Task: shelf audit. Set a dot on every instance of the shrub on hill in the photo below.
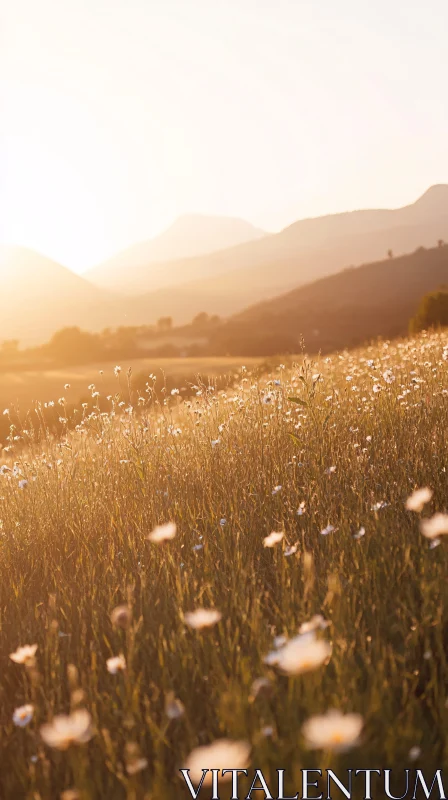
(432, 312)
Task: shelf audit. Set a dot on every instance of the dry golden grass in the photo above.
(22, 388)
(228, 469)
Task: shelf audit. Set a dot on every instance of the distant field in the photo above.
(27, 387)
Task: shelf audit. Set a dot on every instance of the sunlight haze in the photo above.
(118, 117)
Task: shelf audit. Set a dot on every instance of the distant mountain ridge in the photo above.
(226, 281)
(301, 253)
(40, 296)
(142, 266)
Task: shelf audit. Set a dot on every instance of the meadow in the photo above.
(24, 387)
(139, 565)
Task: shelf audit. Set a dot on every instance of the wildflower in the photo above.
(162, 533)
(290, 551)
(317, 622)
(117, 371)
(174, 708)
(202, 618)
(268, 398)
(327, 530)
(66, 386)
(388, 376)
(360, 533)
(434, 543)
(435, 526)
(380, 505)
(121, 616)
(273, 539)
(23, 715)
(333, 731)
(418, 499)
(302, 654)
(223, 522)
(116, 664)
(215, 442)
(276, 490)
(301, 509)
(414, 753)
(66, 730)
(330, 470)
(218, 755)
(23, 484)
(136, 765)
(24, 655)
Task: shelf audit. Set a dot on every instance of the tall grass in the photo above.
(73, 547)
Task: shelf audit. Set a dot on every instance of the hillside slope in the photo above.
(38, 296)
(339, 311)
(142, 267)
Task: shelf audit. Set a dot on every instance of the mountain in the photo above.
(302, 252)
(38, 296)
(142, 266)
(342, 310)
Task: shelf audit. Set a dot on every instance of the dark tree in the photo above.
(432, 312)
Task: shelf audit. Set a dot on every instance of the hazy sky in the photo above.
(116, 116)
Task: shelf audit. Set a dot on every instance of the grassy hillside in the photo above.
(342, 310)
(331, 470)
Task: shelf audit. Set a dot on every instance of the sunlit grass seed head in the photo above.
(66, 730)
(222, 754)
(23, 715)
(162, 533)
(333, 731)
(418, 499)
(25, 655)
(202, 618)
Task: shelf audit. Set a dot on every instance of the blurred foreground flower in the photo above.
(202, 618)
(302, 654)
(174, 708)
(23, 715)
(218, 755)
(65, 730)
(333, 731)
(434, 526)
(317, 622)
(162, 533)
(418, 499)
(273, 539)
(121, 616)
(24, 655)
(116, 664)
(135, 763)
